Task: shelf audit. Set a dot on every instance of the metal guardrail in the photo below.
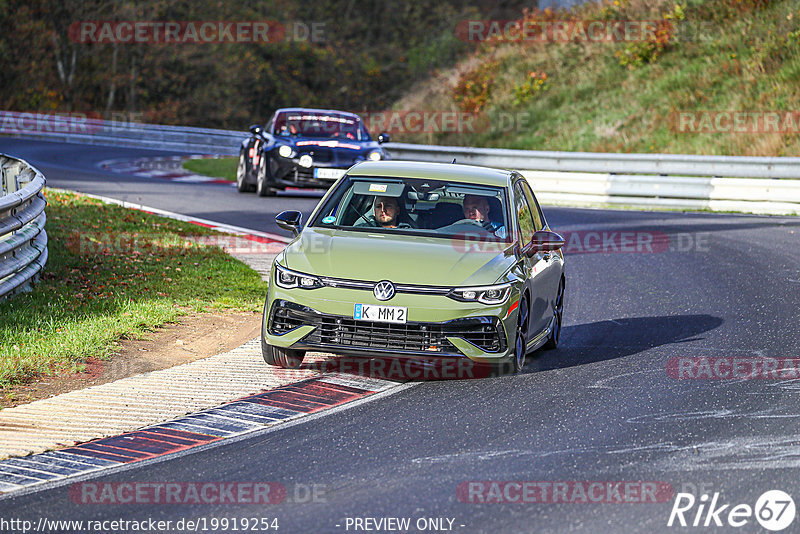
(23, 240)
(655, 164)
(720, 183)
(762, 185)
(74, 128)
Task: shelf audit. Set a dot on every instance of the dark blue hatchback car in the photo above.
(301, 147)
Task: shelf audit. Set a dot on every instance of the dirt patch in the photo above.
(193, 338)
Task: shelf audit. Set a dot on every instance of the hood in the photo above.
(401, 259)
(343, 143)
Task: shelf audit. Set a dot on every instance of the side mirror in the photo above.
(256, 129)
(383, 138)
(289, 220)
(544, 241)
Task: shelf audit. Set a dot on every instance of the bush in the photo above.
(536, 83)
(474, 87)
(639, 53)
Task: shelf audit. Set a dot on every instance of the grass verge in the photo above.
(113, 273)
(719, 56)
(224, 168)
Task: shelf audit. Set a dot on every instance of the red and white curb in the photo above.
(246, 233)
(254, 248)
(143, 417)
(243, 416)
(166, 168)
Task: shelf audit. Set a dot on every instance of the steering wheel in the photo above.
(467, 221)
(485, 225)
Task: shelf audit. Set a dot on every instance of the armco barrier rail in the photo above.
(76, 128)
(719, 183)
(23, 241)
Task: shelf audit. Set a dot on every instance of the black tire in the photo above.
(558, 314)
(263, 188)
(521, 338)
(241, 175)
(280, 357)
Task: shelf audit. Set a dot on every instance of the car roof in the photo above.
(433, 171)
(317, 111)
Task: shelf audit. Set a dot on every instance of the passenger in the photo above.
(476, 208)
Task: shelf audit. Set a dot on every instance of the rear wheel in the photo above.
(262, 182)
(280, 357)
(558, 314)
(241, 175)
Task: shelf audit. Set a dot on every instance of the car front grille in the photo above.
(303, 174)
(323, 155)
(341, 331)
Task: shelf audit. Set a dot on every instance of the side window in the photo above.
(278, 123)
(538, 217)
(526, 224)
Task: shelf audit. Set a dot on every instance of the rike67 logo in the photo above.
(774, 510)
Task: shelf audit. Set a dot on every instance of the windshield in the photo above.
(417, 207)
(320, 126)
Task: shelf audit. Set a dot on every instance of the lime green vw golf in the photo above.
(417, 260)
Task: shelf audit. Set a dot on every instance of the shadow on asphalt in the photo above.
(617, 338)
(580, 344)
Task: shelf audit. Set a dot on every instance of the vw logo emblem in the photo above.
(384, 290)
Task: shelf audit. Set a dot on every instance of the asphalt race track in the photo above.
(75, 167)
(603, 407)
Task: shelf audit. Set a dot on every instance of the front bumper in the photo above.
(288, 172)
(292, 175)
(322, 319)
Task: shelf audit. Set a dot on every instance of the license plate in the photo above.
(333, 174)
(380, 314)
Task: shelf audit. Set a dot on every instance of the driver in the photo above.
(386, 214)
(285, 130)
(476, 208)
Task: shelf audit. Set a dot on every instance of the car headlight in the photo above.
(288, 279)
(375, 155)
(306, 161)
(285, 151)
(489, 295)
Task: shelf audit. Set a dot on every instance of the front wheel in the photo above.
(521, 339)
(262, 183)
(558, 318)
(241, 175)
(280, 357)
